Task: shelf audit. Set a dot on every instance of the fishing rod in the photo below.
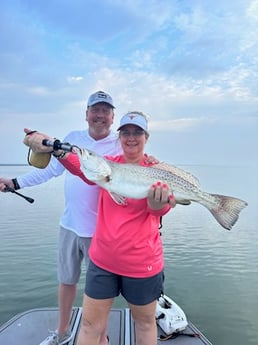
(27, 198)
(58, 145)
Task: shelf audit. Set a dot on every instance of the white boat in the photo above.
(32, 326)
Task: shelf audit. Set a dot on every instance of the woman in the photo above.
(126, 253)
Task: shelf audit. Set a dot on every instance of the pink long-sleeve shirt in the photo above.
(127, 239)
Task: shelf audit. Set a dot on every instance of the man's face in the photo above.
(100, 116)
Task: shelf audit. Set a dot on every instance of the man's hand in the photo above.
(159, 195)
(33, 139)
(5, 181)
(150, 160)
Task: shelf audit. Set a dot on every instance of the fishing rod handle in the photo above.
(27, 198)
(57, 145)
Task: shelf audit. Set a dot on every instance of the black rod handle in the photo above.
(27, 198)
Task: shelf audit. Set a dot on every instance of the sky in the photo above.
(192, 66)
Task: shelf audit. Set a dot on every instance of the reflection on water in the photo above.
(211, 272)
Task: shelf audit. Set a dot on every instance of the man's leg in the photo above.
(66, 297)
(70, 257)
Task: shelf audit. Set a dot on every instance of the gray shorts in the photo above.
(101, 284)
(72, 250)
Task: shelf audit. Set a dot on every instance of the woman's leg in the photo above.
(145, 323)
(95, 314)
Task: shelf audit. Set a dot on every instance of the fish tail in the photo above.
(227, 210)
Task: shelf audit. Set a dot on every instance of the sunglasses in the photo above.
(136, 133)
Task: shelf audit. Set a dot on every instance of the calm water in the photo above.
(211, 272)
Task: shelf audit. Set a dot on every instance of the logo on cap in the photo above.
(100, 96)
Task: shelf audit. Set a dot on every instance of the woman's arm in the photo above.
(71, 162)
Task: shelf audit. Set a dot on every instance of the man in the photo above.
(78, 220)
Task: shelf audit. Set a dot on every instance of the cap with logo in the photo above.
(100, 97)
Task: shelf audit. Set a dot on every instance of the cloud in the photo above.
(74, 79)
(178, 125)
(191, 65)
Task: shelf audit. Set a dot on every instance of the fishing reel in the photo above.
(41, 159)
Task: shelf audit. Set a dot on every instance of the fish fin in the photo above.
(183, 202)
(227, 212)
(118, 199)
(185, 175)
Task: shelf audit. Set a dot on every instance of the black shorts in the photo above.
(101, 284)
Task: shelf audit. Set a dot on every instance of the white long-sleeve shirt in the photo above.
(81, 199)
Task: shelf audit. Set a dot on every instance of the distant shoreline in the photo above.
(13, 164)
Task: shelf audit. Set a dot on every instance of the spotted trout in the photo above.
(134, 181)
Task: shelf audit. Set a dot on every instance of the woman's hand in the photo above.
(159, 195)
(33, 139)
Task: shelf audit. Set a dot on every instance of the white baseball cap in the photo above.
(99, 97)
(134, 118)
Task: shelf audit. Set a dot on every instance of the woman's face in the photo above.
(133, 140)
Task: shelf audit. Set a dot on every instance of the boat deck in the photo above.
(32, 326)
